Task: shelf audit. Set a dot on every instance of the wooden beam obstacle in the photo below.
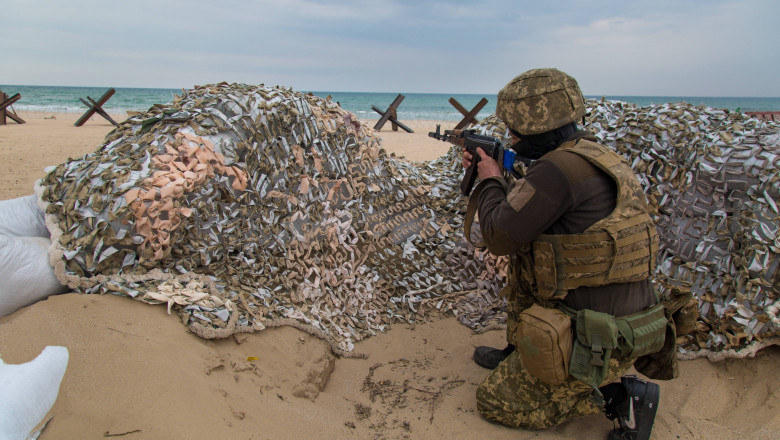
(391, 115)
(96, 107)
(6, 113)
(469, 117)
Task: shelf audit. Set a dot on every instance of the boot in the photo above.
(489, 357)
(633, 403)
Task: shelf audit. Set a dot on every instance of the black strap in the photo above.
(471, 211)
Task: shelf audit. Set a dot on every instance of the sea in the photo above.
(415, 106)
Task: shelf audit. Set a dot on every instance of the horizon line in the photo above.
(587, 95)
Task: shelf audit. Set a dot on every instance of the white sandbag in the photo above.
(25, 274)
(21, 217)
(29, 391)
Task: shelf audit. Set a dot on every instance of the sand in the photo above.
(135, 372)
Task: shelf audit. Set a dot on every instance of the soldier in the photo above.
(582, 247)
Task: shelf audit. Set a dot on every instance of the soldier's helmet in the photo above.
(540, 100)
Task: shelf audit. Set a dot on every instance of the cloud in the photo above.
(688, 52)
(669, 47)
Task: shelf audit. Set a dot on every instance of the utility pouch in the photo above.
(597, 337)
(544, 342)
(643, 332)
(663, 365)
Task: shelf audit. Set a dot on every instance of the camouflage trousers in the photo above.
(513, 397)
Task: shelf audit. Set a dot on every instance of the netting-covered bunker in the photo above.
(713, 179)
(246, 207)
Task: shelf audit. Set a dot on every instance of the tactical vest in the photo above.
(620, 248)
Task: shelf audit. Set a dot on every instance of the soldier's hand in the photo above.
(487, 166)
(466, 161)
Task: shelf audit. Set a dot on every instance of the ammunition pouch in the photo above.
(662, 365)
(544, 343)
(597, 338)
(601, 336)
(642, 333)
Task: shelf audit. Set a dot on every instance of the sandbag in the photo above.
(25, 272)
(21, 217)
(29, 391)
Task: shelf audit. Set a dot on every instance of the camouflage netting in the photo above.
(713, 178)
(247, 207)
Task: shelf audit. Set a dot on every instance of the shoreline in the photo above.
(65, 99)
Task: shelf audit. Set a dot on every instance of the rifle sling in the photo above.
(471, 211)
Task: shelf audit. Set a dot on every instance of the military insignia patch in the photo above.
(520, 194)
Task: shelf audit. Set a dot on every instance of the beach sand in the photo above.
(135, 372)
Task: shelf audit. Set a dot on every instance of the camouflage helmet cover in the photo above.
(540, 100)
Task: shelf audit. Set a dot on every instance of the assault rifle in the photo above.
(470, 140)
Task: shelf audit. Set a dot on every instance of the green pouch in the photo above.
(663, 364)
(597, 337)
(643, 332)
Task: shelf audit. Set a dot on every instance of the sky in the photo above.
(629, 48)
